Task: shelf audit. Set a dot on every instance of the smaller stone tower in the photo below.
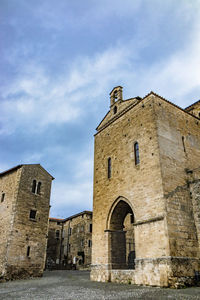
(24, 211)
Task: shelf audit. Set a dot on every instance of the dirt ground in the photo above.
(75, 285)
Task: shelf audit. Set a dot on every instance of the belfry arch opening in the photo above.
(122, 241)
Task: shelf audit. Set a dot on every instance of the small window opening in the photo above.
(199, 114)
(183, 142)
(109, 167)
(34, 186)
(90, 229)
(39, 187)
(32, 214)
(82, 228)
(136, 152)
(115, 109)
(28, 251)
(2, 197)
(89, 243)
(70, 231)
(82, 243)
(57, 234)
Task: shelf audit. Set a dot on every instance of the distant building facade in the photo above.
(70, 242)
(24, 212)
(146, 216)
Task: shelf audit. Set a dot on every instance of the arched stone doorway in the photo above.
(121, 232)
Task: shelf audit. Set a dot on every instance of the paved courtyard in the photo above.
(76, 285)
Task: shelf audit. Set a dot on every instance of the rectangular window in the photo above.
(89, 243)
(70, 231)
(2, 197)
(90, 229)
(82, 243)
(32, 214)
(109, 167)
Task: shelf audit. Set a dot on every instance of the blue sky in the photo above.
(60, 59)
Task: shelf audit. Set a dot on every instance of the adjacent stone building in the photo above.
(146, 205)
(70, 242)
(24, 212)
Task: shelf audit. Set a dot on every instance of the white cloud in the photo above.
(65, 197)
(78, 192)
(178, 75)
(35, 98)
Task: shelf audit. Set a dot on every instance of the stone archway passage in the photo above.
(122, 243)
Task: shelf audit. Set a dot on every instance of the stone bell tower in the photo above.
(116, 95)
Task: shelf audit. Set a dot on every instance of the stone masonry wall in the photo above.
(8, 186)
(194, 182)
(179, 143)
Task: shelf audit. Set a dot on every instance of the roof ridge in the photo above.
(21, 165)
(175, 105)
(72, 216)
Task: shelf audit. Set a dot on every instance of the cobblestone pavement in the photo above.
(75, 285)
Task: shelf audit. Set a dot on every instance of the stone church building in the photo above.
(24, 212)
(146, 206)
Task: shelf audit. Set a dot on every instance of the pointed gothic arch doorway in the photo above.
(121, 232)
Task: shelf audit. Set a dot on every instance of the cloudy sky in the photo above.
(60, 59)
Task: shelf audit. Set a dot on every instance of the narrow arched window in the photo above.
(28, 251)
(109, 167)
(39, 188)
(115, 109)
(34, 186)
(136, 152)
(2, 197)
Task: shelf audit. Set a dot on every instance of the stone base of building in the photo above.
(174, 272)
(13, 273)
